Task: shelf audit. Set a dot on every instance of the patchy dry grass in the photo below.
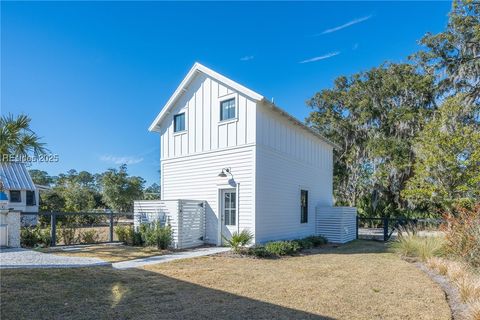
(110, 253)
(357, 281)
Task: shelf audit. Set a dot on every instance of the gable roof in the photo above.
(199, 68)
(15, 176)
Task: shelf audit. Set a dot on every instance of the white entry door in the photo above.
(229, 212)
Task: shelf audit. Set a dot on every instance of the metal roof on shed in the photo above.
(15, 176)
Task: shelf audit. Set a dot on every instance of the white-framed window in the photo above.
(228, 109)
(179, 122)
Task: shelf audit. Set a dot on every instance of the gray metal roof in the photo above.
(15, 176)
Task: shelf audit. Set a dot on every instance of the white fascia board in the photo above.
(197, 67)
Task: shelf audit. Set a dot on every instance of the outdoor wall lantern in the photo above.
(224, 172)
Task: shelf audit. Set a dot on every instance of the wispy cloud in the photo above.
(355, 46)
(121, 160)
(325, 56)
(246, 58)
(345, 25)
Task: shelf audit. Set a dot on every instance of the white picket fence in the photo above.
(186, 218)
(337, 224)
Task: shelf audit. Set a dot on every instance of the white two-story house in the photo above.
(255, 166)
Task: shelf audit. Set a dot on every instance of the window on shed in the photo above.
(227, 109)
(179, 122)
(303, 206)
(31, 198)
(15, 196)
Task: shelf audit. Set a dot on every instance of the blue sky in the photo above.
(93, 75)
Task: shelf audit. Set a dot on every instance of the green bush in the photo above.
(316, 240)
(67, 232)
(259, 251)
(128, 235)
(239, 240)
(34, 237)
(154, 234)
(410, 244)
(89, 236)
(282, 248)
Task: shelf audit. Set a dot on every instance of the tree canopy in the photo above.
(399, 153)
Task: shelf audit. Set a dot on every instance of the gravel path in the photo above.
(22, 258)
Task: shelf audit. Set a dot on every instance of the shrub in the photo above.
(67, 233)
(282, 248)
(462, 234)
(259, 251)
(239, 240)
(121, 232)
(34, 237)
(411, 245)
(154, 234)
(316, 240)
(128, 235)
(89, 236)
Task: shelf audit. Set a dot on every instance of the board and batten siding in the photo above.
(204, 130)
(288, 159)
(196, 177)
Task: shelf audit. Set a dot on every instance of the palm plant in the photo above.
(239, 240)
(18, 139)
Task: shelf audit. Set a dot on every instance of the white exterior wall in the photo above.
(192, 160)
(288, 159)
(22, 206)
(204, 131)
(196, 177)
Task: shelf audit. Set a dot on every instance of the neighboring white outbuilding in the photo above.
(23, 195)
(253, 165)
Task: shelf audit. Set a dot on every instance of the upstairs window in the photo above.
(227, 109)
(303, 206)
(15, 196)
(179, 122)
(31, 198)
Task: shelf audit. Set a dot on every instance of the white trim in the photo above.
(197, 68)
(222, 99)
(206, 153)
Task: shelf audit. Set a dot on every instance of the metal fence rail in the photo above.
(54, 215)
(385, 227)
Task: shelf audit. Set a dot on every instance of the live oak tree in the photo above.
(373, 116)
(454, 54)
(447, 168)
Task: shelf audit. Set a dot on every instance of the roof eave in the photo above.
(197, 67)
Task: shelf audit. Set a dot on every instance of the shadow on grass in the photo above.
(354, 247)
(104, 293)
